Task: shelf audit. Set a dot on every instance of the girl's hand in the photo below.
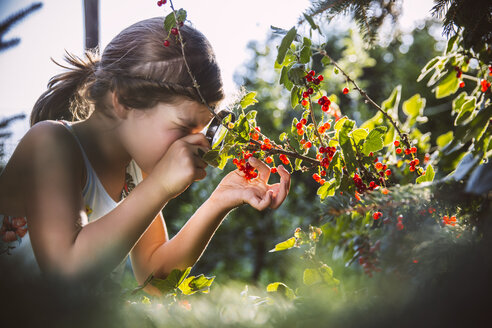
(182, 164)
(235, 190)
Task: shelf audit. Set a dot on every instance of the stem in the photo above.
(311, 111)
(403, 136)
(288, 153)
(195, 83)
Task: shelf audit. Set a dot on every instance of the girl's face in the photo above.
(147, 134)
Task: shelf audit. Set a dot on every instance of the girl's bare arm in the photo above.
(55, 208)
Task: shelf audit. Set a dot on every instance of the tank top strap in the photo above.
(69, 127)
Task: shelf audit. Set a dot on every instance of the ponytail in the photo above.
(64, 98)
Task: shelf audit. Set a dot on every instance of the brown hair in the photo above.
(139, 68)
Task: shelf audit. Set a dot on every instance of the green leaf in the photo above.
(311, 277)
(444, 139)
(428, 176)
(296, 74)
(194, 284)
(285, 44)
(327, 189)
(414, 106)
(284, 78)
(451, 43)
(346, 145)
(170, 20)
(282, 136)
(374, 141)
(294, 97)
(466, 110)
(449, 85)
(459, 101)
(212, 157)
(428, 67)
(327, 275)
(311, 22)
(325, 61)
(248, 99)
(282, 289)
(289, 243)
(359, 135)
(172, 281)
(297, 165)
(305, 55)
(390, 105)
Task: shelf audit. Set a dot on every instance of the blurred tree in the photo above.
(5, 26)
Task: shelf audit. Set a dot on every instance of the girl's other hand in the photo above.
(182, 164)
(235, 190)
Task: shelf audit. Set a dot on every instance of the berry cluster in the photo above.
(449, 220)
(310, 78)
(322, 128)
(485, 85)
(377, 215)
(399, 224)
(328, 152)
(161, 2)
(325, 103)
(368, 257)
(300, 126)
(244, 166)
(318, 179)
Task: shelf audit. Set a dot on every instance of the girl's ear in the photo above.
(120, 110)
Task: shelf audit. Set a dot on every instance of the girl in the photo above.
(111, 142)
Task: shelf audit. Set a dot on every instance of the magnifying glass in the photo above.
(216, 131)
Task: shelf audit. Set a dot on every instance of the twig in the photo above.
(403, 136)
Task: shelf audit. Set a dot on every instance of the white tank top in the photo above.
(97, 202)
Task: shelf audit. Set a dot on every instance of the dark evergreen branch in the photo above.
(7, 24)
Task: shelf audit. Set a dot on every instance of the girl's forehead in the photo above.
(194, 113)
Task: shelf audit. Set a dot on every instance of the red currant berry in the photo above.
(300, 132)
(322, 150)
(299, 125)
(320, 77)
(462, 84)
(305, 94)
(159, 3)
(303, 121)
(273, 170)
(323, 173)
(316, 81)
(396, 143)
(310, 91)
(398, 151)
(345, 91)
(174, 31)
(407, 151)
(304, 103)
(413, 150)
(377, 215)
(388, 172)
(379, 166)
(268, 160)
(166, 43)
(312, 73)
(316, 177)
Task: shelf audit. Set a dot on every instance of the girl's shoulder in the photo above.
(47, 143)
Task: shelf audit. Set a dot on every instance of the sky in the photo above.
(58, 26)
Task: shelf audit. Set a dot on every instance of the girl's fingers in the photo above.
(197, 139)
(263, 169)
(261, 202)
(284, 187)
